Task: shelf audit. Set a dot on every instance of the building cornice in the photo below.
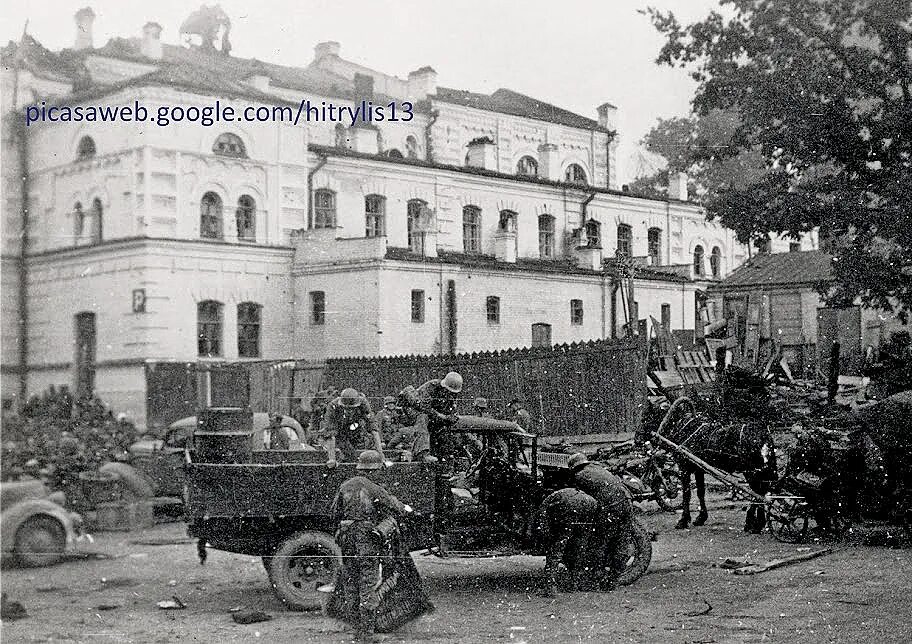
(138, 242)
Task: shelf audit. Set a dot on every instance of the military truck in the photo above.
(276, 504)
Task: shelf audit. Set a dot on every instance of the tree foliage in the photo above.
(822, 90)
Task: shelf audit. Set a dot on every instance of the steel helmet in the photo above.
(369, 460)
(350, 397)
(577, 460)
(452, 382)
(481, 403)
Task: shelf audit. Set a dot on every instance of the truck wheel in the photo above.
(301, 564)
(639, 547)
(134, 483)
(40, 541)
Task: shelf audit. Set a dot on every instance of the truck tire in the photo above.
(302, 563)
(40, 541)
(134, 484)
(640, 553)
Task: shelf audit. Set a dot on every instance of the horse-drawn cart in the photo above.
(790, 502)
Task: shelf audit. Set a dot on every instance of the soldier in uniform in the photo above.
(564, 527)
(520, 416)
(366, 513)
(614, 516)
(388, 422)
(347, 421)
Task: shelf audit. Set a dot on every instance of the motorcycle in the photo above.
(649, 473)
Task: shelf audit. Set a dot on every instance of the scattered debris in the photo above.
(160, 541)
(174, 603)
(779, 563)
(11, 610)
(732, 564)
(250, 617)
(698, 613)
(107, 606)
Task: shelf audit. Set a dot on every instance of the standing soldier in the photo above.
(317, 409)
(615, 516)
(345, 424)
(520, 416)
(366, 514)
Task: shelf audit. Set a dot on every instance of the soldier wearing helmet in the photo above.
(437, 400)
(345, 425)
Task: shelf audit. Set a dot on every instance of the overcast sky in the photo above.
(574, 53)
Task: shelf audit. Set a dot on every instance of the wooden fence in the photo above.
(596, 387)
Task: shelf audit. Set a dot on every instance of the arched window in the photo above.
(393, 153)
(715, 261)
(324, 209)
(415, 210)
(245, 215)
(698, 261)
(593, 234)
(209, 329)
(78, 221)
(86, 148)
(229, 145)
(527, 166)
(471, 229)
(374, 216)
(655, 245)
(97, 212)
(248, 329)
(545, 236)
(575, 174)
(625, 241)
(411, 147)
(507, 222)
(211, 216)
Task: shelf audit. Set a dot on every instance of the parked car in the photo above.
(36, 529)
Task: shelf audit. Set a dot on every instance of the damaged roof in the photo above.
(781, 269)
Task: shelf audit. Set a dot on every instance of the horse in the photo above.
(742, 447)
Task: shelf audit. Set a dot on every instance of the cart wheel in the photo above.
(301, 564)
(668, 490)
(639, 548)
(40, 541)
(788, 520)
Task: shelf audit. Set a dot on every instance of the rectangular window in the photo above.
(417, 306)
(546, 236)
(209, 328)
(666, 316)
(374, 210)
(655, 245)
(471, 229)
(324, 209)
(317, 308)
(248, 319)
(492, 306)
(541, 335)
(576, 311)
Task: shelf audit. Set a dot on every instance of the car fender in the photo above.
(14, 516)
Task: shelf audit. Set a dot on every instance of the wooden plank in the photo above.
(779, 563)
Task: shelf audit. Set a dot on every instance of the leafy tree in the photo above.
(822, 90)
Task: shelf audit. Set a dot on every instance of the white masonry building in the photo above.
(485, 222)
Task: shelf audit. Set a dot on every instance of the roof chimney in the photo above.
(677, 186)
(548, 163)
(84, 19)
(481, 153)
(607, 116)
(324, 49)
(151, 46)
(422, 82)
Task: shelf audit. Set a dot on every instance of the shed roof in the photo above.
(797, 268)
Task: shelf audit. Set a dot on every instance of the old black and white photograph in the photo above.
(477, 321)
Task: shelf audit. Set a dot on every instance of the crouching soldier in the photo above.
(347, 423)
(613, 520)
(373, 563)
(564, 528)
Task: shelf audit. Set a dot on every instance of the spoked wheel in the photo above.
(300, 565)
(787, 519)
(639, 553)
(666, 483)
(40, 541)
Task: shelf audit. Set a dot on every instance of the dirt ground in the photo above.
(856, 594)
